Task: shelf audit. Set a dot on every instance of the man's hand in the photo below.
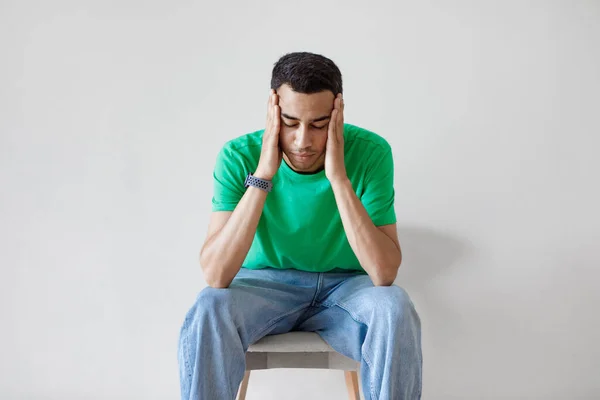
(270, 154)
(335, 168)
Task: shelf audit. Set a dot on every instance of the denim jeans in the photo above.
(375, 325)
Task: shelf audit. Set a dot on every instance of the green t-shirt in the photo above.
(300, 226)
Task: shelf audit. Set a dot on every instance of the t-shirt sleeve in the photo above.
(379, 195)
(228, 181)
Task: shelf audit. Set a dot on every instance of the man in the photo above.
(303, 237)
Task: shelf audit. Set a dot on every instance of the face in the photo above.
(304, 122)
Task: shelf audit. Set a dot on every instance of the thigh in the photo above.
(347, 310)
(257, 302)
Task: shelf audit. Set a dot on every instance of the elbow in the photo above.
(387, 273)
(213, 274)
(207, 271)
(215, 280)
(385, 276)
(215, 284)
(382, 281)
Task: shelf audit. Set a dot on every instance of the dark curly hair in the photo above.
(307, 73)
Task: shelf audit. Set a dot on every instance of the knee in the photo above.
(392, 303)
(210, 303)
(211, 298)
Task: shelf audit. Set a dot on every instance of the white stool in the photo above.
(298, 350)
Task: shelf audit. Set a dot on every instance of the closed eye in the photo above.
(315, 127)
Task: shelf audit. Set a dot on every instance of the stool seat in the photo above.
(298, 350)
(291, 342)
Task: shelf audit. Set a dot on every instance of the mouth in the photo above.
(303, 156)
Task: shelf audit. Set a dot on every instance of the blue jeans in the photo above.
(376, 325)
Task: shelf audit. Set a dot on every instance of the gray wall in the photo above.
(111, 114)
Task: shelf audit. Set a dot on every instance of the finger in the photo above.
(270, 100)
(269, 113)
(269, 106)
(333, 126)
(340, 122)
(275, 124)
(276, 116)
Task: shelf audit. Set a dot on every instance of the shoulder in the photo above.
(364, 139)
(245, 144)
(242, 150)
(363, 146)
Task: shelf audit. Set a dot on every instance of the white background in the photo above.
(111, 115)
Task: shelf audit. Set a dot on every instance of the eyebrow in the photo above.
(323, 118)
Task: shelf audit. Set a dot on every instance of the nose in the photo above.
(302, 139)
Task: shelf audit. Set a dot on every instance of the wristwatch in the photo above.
(262, 184)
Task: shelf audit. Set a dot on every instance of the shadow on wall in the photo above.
(429, 258)
(427, 253)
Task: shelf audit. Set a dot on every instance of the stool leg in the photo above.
(352, 385)
(244, 386)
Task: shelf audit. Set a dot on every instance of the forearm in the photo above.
(376, 252)
(223, 253)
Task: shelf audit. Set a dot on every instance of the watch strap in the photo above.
(259, 183)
